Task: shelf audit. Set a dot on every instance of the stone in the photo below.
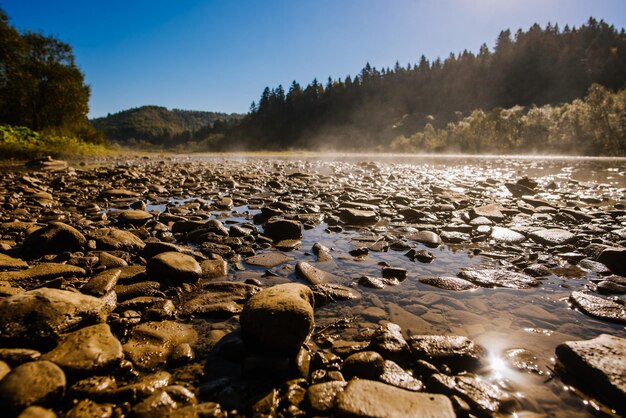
(40, 316)
(87, 408)
(364, 365)
(448, 283)
(282, 229)
(358, 216)
(117, 239)
(457, 352)
(389, 342)
(173, 267)
(506, 235)
(10, 263)
(428, 238)
(90, 350)
(279, 319)
(214, 269)
(499, 278)
(42, 272)
(395, 375)
(38, 382)
(552, 237)
(599, 365)
(16, 356)
(151, 343)
(613, 258)
(268, 259)
(312, 274)
(4, 369)
(599, 307)
(38, 412)
(366, 398)
(220, 300)
(321, 397)
(134, 217)
(523, 360)
(54, 238)
(101, 284)
(330, 292)
(491, 211)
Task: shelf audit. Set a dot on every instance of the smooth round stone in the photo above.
(54, 238)
(283, 229)
(38, 412)
(134, 217)
(365, 365)
(37, 382)
(173, 267)
(279, 319)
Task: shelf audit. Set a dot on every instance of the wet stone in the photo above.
(117, 239)
(598, 364)
(613, 258)
(366, 398)
(599, 307)
(213, 269)
(101, 284)
(389, 342)
(16, 356)
(41, 272)
(283, 229)
(499, 278)
(268, 259)
(89, 409)
(321, 397)
(395, 375)
(312, 274)
(457, 352)
(523, 360)
(37, 412)
(364, 365)
(448, 283)
(54, 238)
(330, 292)
(134, 217)
(358, 216)
(10, 263)
(173, 267)
(38, 382)
(552, 237)
(492, 211)
(506, 235)
(278, 319)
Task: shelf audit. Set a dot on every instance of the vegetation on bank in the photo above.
(594, 125)
(20, 143)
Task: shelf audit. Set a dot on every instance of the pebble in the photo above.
(38, 382)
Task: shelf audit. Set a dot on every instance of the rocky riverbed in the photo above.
(212, 287)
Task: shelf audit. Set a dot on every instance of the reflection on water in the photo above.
(536, 319)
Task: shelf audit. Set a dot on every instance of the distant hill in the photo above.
(159, 125)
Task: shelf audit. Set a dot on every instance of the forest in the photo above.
(378, 107)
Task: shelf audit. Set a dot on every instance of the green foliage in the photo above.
(40, 85)
(538, 67)
(159, 126)
(19, 142)
(594, 125)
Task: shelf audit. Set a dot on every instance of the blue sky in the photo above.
(218, 55)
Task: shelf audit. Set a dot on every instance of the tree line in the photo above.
(540, 66)
(41, 87)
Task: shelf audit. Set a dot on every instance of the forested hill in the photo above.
(159, 125)
(536, 67)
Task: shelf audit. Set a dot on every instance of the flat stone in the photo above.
(552, 237)
(87, 408)
(458, 352)
(321, 397)
(101, 284)
(35, 411)
(37, 382)
(331, 292)
(90, 350)
(151, 343)
(118, 193)
(492, 211)
(395, 375)
(117, 239)
(483, 397)
(42, 315)
(364, 365)
(599, 307)
(358, 216)
(389, 342)
(448, 283)
(282, 229)
(506, 235)
(613, 258)
(599, 365)
(428, 238)
(366, 398)
(10, 263)
(214, 269)
(134, 217)
(220, 300)
(173, 267)
(42, 272)
(499, 278)
(54, 238)
(268, 259)
(278, 319)
(312, 274)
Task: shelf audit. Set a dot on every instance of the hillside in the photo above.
(159, 125)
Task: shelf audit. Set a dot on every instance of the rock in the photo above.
(38, 412)
(118, 193)
(312, 274)
(151, 343)
(522, 359)
(46, 163)
(506, 235)
(90, 350)
(492, 211)
(134, 217)
(389, 342)
(54, 238)
(282, 229)
(173, 267)
(116, 239)
(268, 259)
(600, 366)
(110, 261)
(613, 258)
(42, 315)
(395, 375)
(321, 397)
(220, 300)
(87, 408)
(330, 292)
(552, 237)
(366, 398)
(4, 369)
(364, 365)
(101, 284)
(10, 263)
(519, 190)
(394, 273)
(38, 382)
(599, 307)
(214, 269)
(483, 397)
(278, 319)
(457, 352)
(499, 278)
(448, 283)
(16, 356)
(42, 272)
(358, 216)
(428, 238)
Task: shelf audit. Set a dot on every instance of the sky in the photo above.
(218, 55)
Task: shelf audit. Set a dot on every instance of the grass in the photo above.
(20, 143)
